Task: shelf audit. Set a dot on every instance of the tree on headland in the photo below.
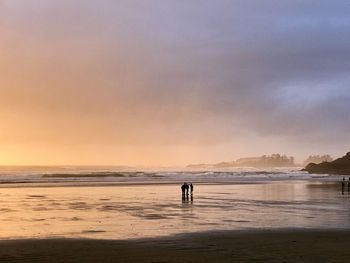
(274, 160)
(318, 159)
(338, 166)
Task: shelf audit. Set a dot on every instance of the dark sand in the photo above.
(271, 246)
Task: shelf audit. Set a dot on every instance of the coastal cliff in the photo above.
(340, 166)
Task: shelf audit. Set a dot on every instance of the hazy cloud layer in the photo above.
(222, 77)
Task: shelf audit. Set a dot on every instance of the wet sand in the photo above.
(228, 246)
(143, 211)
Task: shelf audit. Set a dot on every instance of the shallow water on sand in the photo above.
(122, 212)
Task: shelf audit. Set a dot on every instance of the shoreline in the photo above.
(39, 184)
(266, 245)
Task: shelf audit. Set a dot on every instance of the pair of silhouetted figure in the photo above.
(343, 185)
(185, 188)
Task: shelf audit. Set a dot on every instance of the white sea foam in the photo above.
(20, 176)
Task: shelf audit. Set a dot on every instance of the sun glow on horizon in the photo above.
(171, 83)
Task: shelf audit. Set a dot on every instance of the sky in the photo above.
(172, 82)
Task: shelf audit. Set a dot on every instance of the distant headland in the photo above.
(340, 166)
(274, 160)
(265, 161)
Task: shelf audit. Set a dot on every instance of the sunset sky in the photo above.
(172, 82)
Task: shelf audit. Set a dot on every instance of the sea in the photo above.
(128, 202)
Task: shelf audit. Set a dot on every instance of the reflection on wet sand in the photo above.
(186, 199)
(139, 211)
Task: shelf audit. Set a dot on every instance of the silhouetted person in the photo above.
(349, 185)
(343, 185)
(186, 188)
(183, 188)
(191, 187)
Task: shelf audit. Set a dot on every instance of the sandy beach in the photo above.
(228, 246)
(269, 221)
(146, 211)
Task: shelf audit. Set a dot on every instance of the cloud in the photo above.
(161, 73)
